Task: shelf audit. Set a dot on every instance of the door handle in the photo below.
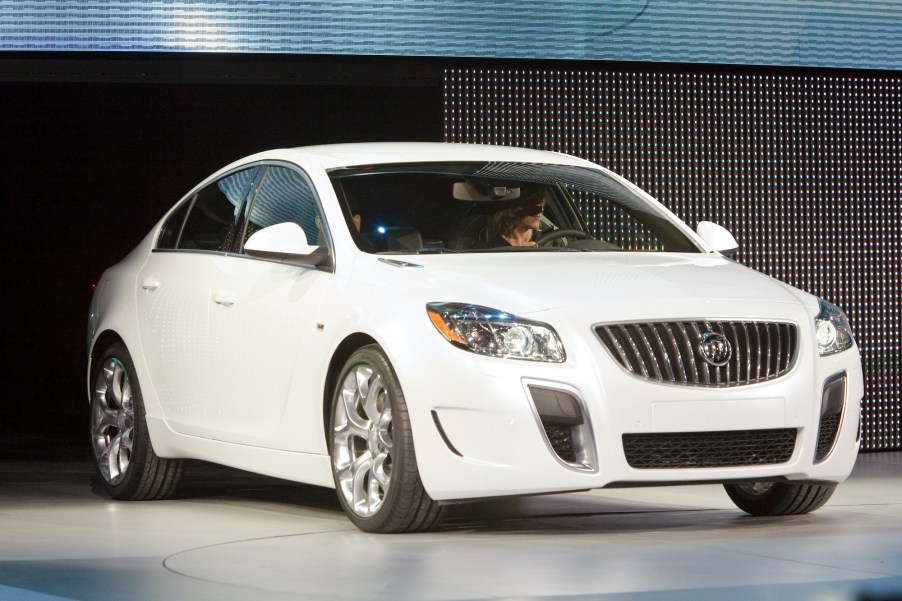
(224, 298)
(150, 283)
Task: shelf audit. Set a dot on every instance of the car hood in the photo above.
(640, 283)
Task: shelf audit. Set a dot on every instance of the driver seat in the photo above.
(471, 231)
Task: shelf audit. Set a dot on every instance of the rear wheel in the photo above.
(373, 460)
(779, 498)
(123, 455)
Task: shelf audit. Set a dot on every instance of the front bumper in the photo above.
(482, 430)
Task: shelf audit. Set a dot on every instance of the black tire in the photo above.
(369, 427)
(779, 498)
(126, 465)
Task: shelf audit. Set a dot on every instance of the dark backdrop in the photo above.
(96, 147)
(93, 156)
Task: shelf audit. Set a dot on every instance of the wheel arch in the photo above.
(344, 350)
(103, 341)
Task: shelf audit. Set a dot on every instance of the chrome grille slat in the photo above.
(680, 362)
(778, 346)
(639, 361)
(725, 372)
(613, 342)
(748, 351)
(637, 364)
(665, 356)
(791, 337)
(690, 353)
(670, 351)
(732, 370)
(784, 341)
(758, 362)
(702, 364)
(653, 357)
(775, 342)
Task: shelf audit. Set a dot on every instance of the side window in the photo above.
(215, 218)
(285, 195)
(169, 235)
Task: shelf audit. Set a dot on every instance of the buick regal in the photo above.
(421, 324)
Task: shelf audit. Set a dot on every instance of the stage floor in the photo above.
(232, 535)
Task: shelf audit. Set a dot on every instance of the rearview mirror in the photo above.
(467, 191)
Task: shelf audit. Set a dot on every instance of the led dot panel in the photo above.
(803, 169)
(864, 34)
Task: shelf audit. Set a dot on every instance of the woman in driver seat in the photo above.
(517, 223)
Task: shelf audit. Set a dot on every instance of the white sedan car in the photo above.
(421, 324)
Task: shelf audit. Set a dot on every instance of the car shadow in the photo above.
(540, 514)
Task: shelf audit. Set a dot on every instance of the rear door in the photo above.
(173, 297)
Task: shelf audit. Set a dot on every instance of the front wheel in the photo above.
(123, 455)
(779, 498)
(373, 460)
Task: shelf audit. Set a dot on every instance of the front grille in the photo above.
(709, 449)
(672, 351)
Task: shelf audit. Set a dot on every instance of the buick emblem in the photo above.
(715, 349)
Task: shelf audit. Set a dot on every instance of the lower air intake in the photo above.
(709, 449)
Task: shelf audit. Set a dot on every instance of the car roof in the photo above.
(332, 156)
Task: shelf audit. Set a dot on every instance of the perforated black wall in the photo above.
(805, 170)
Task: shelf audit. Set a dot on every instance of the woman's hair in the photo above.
(505, 221)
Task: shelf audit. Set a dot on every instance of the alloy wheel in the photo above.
(112, 420)
(362, 444)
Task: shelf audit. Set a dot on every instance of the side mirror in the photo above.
(285, 242)
(718, 238)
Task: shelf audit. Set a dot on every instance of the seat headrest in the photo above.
(403, 238)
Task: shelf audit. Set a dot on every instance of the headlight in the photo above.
(832, 329)
(495, 333)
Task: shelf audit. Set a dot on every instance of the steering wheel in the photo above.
(565, 233)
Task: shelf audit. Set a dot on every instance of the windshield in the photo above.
(499, 207)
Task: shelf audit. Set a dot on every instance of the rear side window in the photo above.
(213, 218)
(169, 235)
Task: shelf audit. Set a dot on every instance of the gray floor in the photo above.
(232, 535)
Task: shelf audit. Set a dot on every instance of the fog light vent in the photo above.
(833, 401)
(565, 425)
(561, 439)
